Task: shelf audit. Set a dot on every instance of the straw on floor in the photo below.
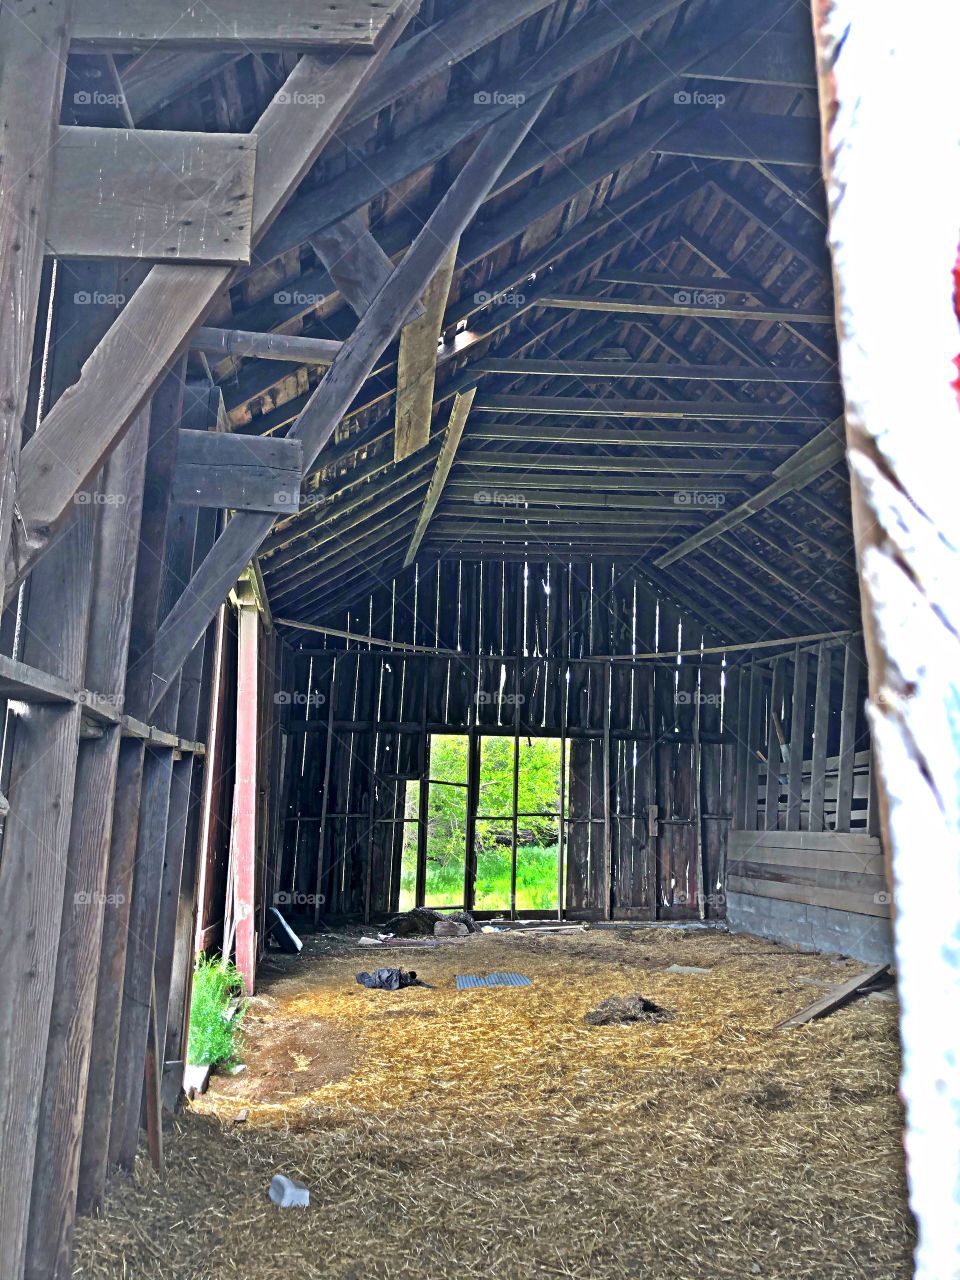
(443, 1136)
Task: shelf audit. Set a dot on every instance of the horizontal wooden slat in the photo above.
(281, 24)
(742, 841)
(855, 881)
(825, 859)
(121, 193)
(858, 903)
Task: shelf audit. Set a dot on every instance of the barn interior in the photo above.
(431, 496)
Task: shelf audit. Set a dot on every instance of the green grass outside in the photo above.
(536, 880)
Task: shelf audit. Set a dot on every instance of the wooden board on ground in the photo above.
(834, 998)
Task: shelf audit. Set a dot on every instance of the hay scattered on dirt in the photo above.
(498, 1134)
(622, 1009)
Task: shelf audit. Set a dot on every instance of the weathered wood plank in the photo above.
(824, 841)
(33, 60)
(761, 56)
(847, 880)
(622, 407)
(131, 361)
(126, 193)
(852, 673)
(286, 24)
(667, 371)
(247, 473)
(833, 999)
(864, 904)
(594, 298)
(89, 897)
(268, 346)
(417, 364)
(834, 860)
(448, 452)
(138, 970)
(739, 135)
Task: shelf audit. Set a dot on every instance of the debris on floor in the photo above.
(685, 968)
(424, 921)
(196, 1080)
(450, 929)
(619, 1009)
(390, 979)
(288, 1193)
(467, 981)
(282, 934)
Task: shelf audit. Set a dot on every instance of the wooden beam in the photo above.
(356, 263)
(242, 473)
(299, 25)
(714, 134)
(627, 436)
(761, 56)
(600, 463)
(265, 346)
(596, 34)
(126, 193)
(660, 409)
(325, 409)
(592, 298)
(448, 452)
(582, 246)
(131, 361)
(417, 364)
(432, 51)
(799, 471)
(602, 370)
(600, 490)
(33, 58)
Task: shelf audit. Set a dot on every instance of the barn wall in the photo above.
(522, 650)
(805, 864)
(822, 891)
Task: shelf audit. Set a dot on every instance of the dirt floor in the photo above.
(447, 1133)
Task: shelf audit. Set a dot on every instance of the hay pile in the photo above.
(620, 1009)
(493, 1132)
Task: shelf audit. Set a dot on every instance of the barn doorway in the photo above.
(485, 831)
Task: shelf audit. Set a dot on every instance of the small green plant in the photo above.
(213, 1039)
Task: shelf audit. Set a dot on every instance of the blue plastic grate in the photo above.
(467, 980)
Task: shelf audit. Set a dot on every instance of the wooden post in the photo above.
(901, 435)
(774, 730)
(852, 668)
(244, 832)
(94, 907)
(607, 812)
(821, 720)
(34, 39)
(798, 728)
